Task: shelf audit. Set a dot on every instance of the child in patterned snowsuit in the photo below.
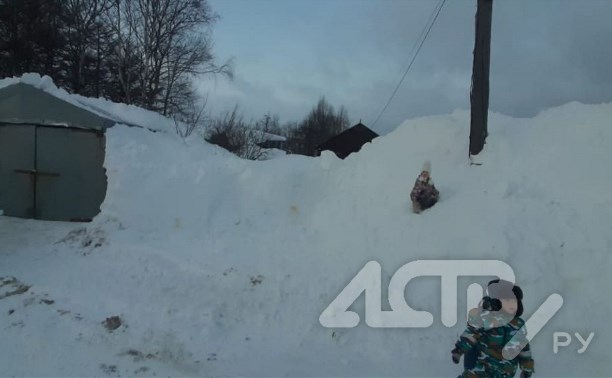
(424, 194)
(490, 329)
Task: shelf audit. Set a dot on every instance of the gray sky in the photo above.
(288, 53)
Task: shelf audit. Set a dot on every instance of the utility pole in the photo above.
(479, 94)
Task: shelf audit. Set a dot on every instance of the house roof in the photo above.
(264, 136)
(349, 141)
(23, 103)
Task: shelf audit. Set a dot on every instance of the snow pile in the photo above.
(222, 266)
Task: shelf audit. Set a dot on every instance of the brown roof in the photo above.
(349, 141)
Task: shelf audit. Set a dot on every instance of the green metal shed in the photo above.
(51, 156)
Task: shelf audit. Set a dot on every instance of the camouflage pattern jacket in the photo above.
(490, 333)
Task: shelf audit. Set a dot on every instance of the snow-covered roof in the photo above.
(269, 137)
(22, 103)
(104, 113)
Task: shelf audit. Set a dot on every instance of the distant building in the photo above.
(268, 140)
(349, 141)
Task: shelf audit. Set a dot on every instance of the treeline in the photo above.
(249, 139)
(141, 52)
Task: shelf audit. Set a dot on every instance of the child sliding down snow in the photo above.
(424, 194)
(491, 327)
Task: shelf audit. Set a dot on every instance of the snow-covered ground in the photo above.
(218, 266)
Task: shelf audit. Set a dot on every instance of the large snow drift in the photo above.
(222, 266)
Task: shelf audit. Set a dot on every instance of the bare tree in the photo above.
(252, 149)
(196, 120)
(173, 45)
(269, 123)
(224, 131)
(232, 133)
(319, 125)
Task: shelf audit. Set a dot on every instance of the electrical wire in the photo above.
(422, 38)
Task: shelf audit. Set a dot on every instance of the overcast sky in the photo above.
(288, 53)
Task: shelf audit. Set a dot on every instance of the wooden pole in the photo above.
(479, 94)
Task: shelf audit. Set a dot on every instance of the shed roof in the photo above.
(349, 141)
(23, 103)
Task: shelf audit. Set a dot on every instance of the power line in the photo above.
(421, 38)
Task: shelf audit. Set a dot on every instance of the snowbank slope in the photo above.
(221, 266)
